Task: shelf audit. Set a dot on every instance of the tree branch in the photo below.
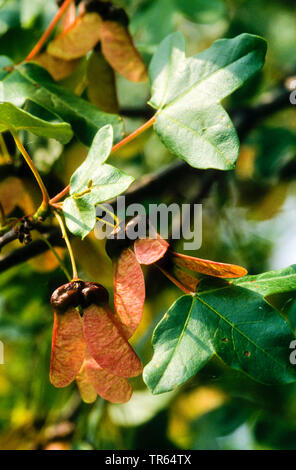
(245, 120)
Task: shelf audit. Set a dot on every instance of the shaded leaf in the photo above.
(80, 216)
(129, 291)
(79, 39)
(101, 88)
(119, 50)
(68, 347)
(187, 92)
(12, 117)
(233, 322)
(31, 81)
(107, 343)
(211, 268)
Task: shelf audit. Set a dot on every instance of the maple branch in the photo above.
(244, 119)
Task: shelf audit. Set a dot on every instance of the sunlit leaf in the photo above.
(79, 39)
(129, 291)
(187, 92)
(87, 174)
(107, 343)
(80, 216)
(68, 347)
(119, 50)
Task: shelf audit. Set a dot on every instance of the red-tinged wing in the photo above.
(68, 347)
(173, 278)
(107, 343)
(149, 250)
(129, 291)
(86, 389)
(186, 279)
(108, 386)
(211, 268)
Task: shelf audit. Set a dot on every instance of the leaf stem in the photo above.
(123, 142)
(21, 148)
(67, 241)
(49, 30)
(134, 134)
(60, 195)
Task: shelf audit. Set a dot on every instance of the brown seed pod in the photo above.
(94, 293)
(67, 295)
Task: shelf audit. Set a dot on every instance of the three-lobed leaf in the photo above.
(92, 183)
(229, 320)
(187, 93)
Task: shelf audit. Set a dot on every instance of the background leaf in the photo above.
(12, 117)
(30, 81)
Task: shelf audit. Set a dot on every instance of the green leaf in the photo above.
(30, 81)
(12, 117)
(91, 167)
(93, 182)
(187, 93)
(230, 321)
(80, 216)
(271, 282)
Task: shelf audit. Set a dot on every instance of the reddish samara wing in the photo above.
(211, 268)
(68, 347)
(107, 343)
(86, 389)
(129, 291)
(109, 386)
(150, 250)
(119, 50)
